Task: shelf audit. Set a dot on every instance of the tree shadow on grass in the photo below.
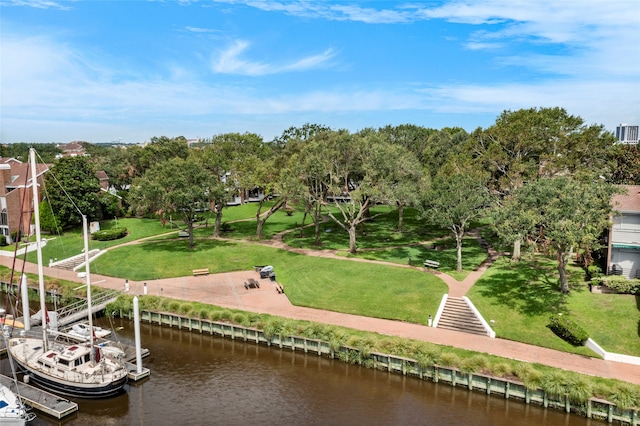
(182, 245)
(529, 288)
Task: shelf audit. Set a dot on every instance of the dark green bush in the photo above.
(3, 240)
(109, 234)
(568, 330)
(619, 284)
(594, 271)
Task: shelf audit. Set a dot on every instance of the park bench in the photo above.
(203, 271)
(279, 289)
(431, 264)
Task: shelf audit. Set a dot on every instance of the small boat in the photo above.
(12, 410)
(81, 331)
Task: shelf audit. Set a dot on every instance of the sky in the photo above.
(126, 71)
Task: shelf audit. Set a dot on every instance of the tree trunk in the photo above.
(190, 228)
(562, 270)
(516, 250)
(259, 229)
(352, 239)
(400, 216)
(304, 217)
(262, 218)
(218, 223)
(459, 249)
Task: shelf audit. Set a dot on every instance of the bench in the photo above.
(203, 271)
(431, 264)
(279, 289)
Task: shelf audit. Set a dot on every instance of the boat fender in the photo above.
(26, 378)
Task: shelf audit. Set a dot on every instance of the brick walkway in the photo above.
(227, 290)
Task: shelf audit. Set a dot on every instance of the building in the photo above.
(627, 134)
(16, 197)
(624, 236)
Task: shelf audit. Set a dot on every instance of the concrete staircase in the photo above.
(71, 262)
(457, 316)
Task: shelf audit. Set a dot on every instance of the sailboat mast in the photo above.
(36, 213)
(85, 229)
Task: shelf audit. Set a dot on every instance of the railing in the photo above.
(81, 305)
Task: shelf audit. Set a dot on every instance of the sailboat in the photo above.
(78, 369)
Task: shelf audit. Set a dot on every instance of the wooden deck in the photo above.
(41, 400)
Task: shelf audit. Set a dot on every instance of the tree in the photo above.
(403, 176)
(527, 144)
(71, 189)
(175, 186)
(455, 199)
(627, 171)
(562, 214)
(47, 152)
(362, 170)
(255, 167)
(216, 156)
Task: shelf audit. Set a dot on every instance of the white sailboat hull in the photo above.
(67, 370)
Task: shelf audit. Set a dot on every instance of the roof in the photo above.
(629, 202)
(20, 171)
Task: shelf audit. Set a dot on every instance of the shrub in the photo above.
(474, 364)
(594, 271)
(620, 284)
(109, 234)
(3, 240)
(625, 395)
(449, 359)
(568, 330)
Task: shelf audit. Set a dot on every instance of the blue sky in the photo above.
(104, 71)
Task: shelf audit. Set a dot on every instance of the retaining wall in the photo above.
(594, 408)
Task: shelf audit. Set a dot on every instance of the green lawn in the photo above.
(338, 285)
(472, 255)
(71, 243)
(379, 232)
(520, 297)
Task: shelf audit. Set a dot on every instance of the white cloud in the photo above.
(230, 61)
(39, 4)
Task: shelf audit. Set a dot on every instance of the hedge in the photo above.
(110, 234)
(568, 330)
(619, 283)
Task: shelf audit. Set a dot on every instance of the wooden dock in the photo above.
(41, 400)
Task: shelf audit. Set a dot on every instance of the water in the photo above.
(204, 380)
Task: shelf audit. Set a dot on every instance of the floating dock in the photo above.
(41, 400)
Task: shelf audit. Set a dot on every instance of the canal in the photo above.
(206, 380)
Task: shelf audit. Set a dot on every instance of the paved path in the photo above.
(227, 290)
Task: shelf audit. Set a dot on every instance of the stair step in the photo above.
(457, 316)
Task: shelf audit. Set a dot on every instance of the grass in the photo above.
(379, 232)
(520, 297)
(330, 284)
(71, 242)
(472, 255)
